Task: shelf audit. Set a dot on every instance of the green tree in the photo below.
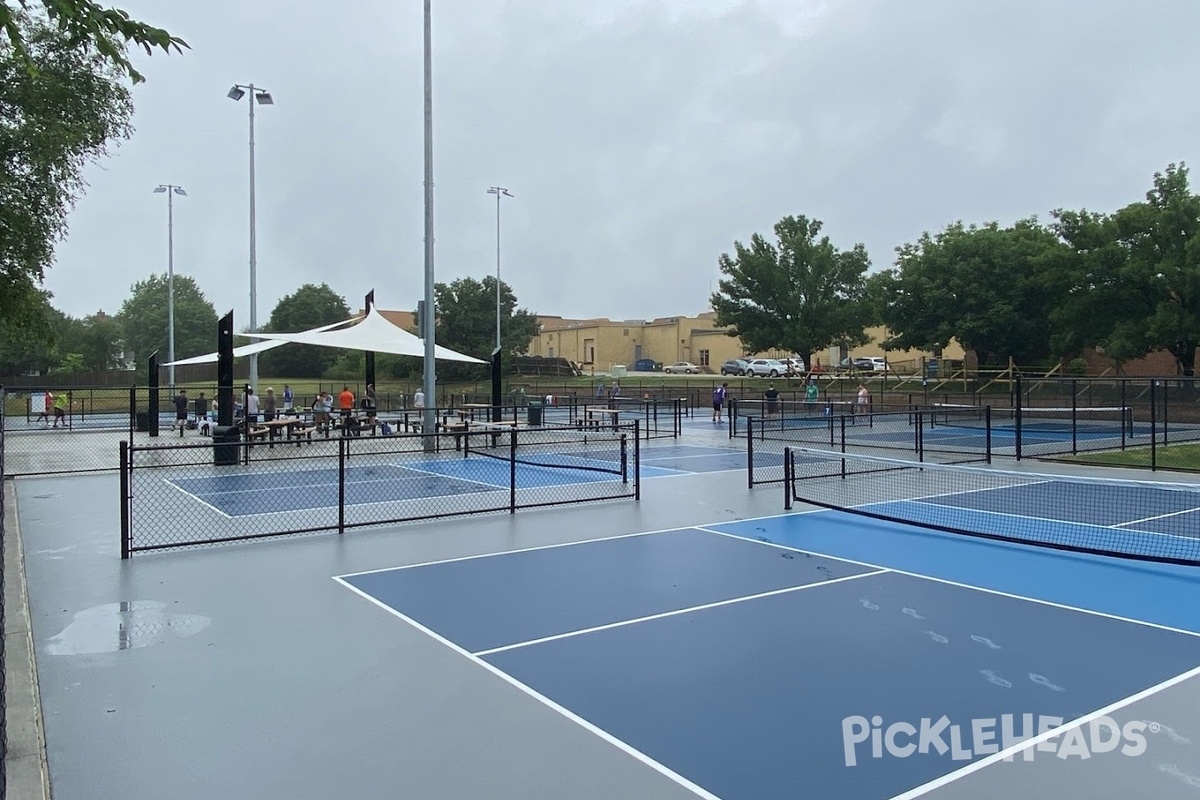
(801, 294)
(308, 307)
(88, 25)
(1096, 301)
(466, 323)
(143, 317)
(26, 348)
(980, 285)
(54, 122)
(99, 342)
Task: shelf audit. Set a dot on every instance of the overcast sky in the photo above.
(641, 139)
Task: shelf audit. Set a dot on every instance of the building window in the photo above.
(704, 358)
(625, 332)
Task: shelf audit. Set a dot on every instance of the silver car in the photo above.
(766, 368)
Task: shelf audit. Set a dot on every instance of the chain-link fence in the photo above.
(948, 436)
(200, 494)
(3, 620)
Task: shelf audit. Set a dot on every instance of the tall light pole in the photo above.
(171, 190)
(499, 191)
(427, 319)
(256, 95)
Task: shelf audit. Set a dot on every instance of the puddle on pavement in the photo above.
(124, 626)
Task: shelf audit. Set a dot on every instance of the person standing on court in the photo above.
(719, 395)
(811, 391)
(289, 399)
(864, 399)
(60, 409)
(772, 396)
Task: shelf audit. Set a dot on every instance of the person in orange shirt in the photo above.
(346, 404)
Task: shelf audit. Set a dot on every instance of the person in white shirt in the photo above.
(251, 407)
(419, 399)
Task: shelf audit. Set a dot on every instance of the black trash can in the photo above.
(225, 444)
(141, 422)
(534, 415)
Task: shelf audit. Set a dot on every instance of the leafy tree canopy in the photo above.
(800, 294)
(310, 306)
(85, 25)
(53, 123)
(466, 322)
(143, 317)
(979, 285)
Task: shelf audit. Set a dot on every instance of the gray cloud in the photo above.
(640, 139)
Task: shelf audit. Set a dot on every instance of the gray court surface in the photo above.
(247, 671)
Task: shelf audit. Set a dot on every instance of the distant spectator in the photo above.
(419, 399)
(251, 406)
(719, 396)
(289, 399)
(181, 410)
(269, 405)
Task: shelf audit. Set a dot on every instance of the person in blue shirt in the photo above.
(718, 400)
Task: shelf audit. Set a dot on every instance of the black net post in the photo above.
(225, 370)
(1074, 420)
(1124, 404)
(1153, 424)
(987, 417)
(1017, 390)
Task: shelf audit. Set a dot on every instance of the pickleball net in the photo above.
(1144, 520)
(581, 448)
(1113, 421)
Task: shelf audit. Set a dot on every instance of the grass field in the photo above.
(1185, 456)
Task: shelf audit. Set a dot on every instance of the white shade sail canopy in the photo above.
(373, 334)
(251, 349)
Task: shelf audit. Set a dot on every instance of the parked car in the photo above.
(646, 365)
(734, 366)
(765, 368)
(794, 366)
(857, 364)
(684, 367)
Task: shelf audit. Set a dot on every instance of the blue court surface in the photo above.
(765, 658)
(281, 491)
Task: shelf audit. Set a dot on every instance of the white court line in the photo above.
(576, 542)
(303, 485)
(1088, 525)
(948, 582)
(196, 497)
(449, 477)
(578, 720)
(1008, 753)
(677, 612)
(1157, 517)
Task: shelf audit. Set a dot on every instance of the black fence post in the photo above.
(132, 411)
(787, 479)
(625, 456)
(152, 420)
(637, 464)
(125, 500)
(750, 449)
(341, 486)
(512, 470)
(1166, 393)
